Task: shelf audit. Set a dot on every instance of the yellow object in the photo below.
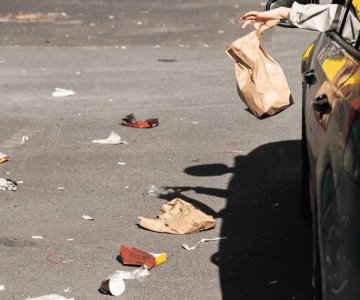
(159, 258)
(308, 52)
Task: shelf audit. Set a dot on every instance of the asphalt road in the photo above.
(162, 59)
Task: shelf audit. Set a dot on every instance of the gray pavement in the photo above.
(207, 150)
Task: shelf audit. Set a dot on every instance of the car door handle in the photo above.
(321, 104)
(308, 77)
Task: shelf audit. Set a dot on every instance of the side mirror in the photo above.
(272, 4)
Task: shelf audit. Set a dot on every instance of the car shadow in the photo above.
(267, 253)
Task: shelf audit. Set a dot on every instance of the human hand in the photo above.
(265, 19)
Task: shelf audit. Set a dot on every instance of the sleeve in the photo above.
(315, 17)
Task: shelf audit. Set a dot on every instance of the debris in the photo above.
(121, 163)
(24, 139)
(195, 122)
(201, 241)
(69, 239)
(178, 217)
(60, 188)
(138, 257)
(153, 191)
(57, 262)
(115, 285)
(131, 121)
(7, 184)
(33, 17)
(20, 181)
(37, 237)
(59, 92)
(67, 290)
(50, 297)
(86, 217)
(2, 288)
(113, 139)
(3, 157)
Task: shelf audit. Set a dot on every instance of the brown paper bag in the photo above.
(179, 217)
(261, 83)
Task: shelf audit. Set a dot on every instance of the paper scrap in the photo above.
(39, 237)
(201, 241)
(113, 139)
(50, 297)
(24, 139)
(59, 92)
(121, 163)
(2, 288)
(86, 217)
(67, 290)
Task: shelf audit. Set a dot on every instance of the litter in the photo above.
(34, 17)
(113, 139)
(201, 241)
(121, 163)
(152, 190)
(69, 239)
(86, 217)
(24, 139)
(37, 237)
(7, 184)
(59, 92)
(60, 188)
(2, 288)
(3, 157)
(50, 297)
(68, 290)
(178, 217)
(139, 257)
(57, 262)
(131, 121)
(115, 285)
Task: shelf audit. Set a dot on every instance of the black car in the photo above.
(331, 158)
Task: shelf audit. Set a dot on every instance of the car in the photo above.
(331, 159)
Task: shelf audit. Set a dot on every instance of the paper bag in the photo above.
(261, 83)
(179, 217)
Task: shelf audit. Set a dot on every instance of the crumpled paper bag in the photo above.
(261, 83)
(178, 217)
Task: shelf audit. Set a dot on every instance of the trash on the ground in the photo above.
(59, 92)
(131, 121)
(3, 157)
(178, 217)
(70, 239)
(24, 139)
(201, 241)
(138, 257)
(37, 237)
(34, 17)
(86, 217)
(153, 191)
(50, 297)
(261, 83)
(7, 184)
(115, 285)
(2, 288)
(60, 188)
(121, 163)
(57, 261)
(68, 290)
(113, 139)
(20, 181)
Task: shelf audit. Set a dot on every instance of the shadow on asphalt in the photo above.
(267, 253)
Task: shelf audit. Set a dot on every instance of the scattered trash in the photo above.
(178, 217)
(7, 184)
(86, 217)
(57, 262)
(153, 191)
(138, 257)
(38, 237)
(60, 188)
(113, 139)
(20, 181)
(201, 241)
(68, 290)
(131, 121)
(59, 92)
(3, 157)
(121, 163)
(24, 139)
(69, 239)
(50, 297)
(167, 60)
(115, 285)
(2, 288)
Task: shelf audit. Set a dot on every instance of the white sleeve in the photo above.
(315, 17)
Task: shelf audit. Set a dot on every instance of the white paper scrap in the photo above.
(37, 237)
(121, 163)
(113, 139)
(2, 288)
(138, 273)
(59, 92)
(201, 241)
(86, 217)
(50, 297)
